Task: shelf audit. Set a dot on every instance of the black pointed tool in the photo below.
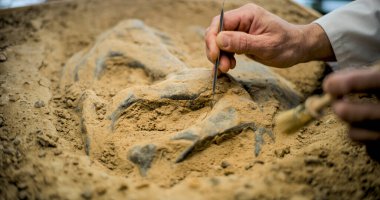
(218, 59)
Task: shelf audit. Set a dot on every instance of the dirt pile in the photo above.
(111, 100)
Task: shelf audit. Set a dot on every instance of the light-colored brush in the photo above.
(292, 120)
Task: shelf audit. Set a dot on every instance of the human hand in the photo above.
(363, 118)
(266, 38)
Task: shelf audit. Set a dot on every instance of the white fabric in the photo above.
(354, 32)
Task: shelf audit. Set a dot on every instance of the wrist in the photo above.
(315, 44)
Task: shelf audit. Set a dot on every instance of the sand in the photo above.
(112, 100)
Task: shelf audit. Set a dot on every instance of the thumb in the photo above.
(237, 42)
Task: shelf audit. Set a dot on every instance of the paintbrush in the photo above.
(217, 62)
(292, 120)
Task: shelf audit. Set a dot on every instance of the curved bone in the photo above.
(225, 121)
(130, 42)
(184, 85)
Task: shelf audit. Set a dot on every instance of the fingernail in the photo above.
(226, 42)
(223, 41)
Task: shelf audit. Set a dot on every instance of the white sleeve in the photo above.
(354, 32)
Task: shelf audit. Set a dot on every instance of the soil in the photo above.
(59, 140)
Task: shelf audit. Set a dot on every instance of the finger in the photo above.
(218, 73)
(241, 19)
(212, 48)
(232, 61)
(235, 20)
(359, 80)
(208, 52)
(231, 56)
(353, 112)
(239, 42)
(225, 63)
(363, 135)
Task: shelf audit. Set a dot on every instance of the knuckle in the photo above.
(243, 44)
(342, 110)
(250, 6)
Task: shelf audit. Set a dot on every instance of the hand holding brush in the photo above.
(362, 117)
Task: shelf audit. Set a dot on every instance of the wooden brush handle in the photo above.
(315, 104)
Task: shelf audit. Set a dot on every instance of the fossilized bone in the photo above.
(240, 95)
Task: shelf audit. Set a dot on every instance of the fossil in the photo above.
(244, 97)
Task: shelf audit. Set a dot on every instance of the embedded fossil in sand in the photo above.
(247, 95)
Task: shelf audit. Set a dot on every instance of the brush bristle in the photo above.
(292, 120)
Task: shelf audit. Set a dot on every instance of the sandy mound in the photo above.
(113, 100)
